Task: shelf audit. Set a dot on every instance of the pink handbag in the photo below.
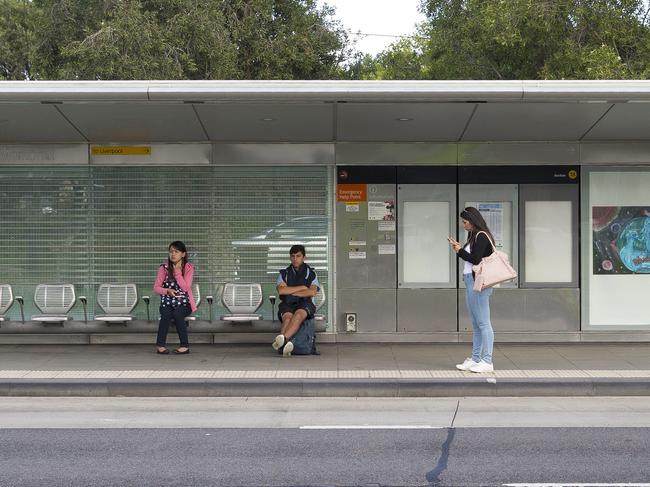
(493, 269)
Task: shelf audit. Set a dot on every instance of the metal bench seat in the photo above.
(241, 318)
(6, 300)
(117, 301)
(196, 292)
(242, 301)
(54, 301)
(319, 301)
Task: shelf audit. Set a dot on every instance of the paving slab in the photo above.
(359, 370)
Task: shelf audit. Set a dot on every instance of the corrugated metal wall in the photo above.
(91, 225)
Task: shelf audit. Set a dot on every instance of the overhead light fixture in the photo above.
(268, 119)
(404, 119)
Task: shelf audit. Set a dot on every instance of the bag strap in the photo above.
(489, 239)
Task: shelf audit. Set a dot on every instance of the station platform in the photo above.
(344, 370)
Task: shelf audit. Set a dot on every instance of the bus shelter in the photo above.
(96, 178)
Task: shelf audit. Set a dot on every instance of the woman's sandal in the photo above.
(187, 350)
(164, 351)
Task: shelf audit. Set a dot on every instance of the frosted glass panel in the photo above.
(424, 248)
(548, 241)
(618, 296)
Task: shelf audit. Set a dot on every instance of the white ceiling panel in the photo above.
(625, 121)
(34, 122)
(265, 122)
(137, 122)
(533, 121)
(402, 122)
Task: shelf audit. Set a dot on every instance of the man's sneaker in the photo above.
(288, 348)
(482, 367)
(278, 342)
(466, 364)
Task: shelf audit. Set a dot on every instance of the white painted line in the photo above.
(574, 485)
(372, 427)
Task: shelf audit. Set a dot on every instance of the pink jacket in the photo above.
(184, 282)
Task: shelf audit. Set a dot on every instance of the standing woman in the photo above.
(478, 245)
(174, 284)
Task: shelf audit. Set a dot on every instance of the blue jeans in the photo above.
(478, 305)
(177, 315)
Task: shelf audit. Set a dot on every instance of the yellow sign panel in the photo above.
(121, 150)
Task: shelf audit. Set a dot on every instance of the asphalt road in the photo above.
(325, 457)
(323, 441)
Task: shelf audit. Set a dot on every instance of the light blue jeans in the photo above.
(478, 306)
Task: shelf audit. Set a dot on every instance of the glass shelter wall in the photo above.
(92, 225)
(88, 225)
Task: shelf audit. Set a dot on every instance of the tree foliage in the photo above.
(17, 36)
(523, 39)
(170, 39)
(296, 39)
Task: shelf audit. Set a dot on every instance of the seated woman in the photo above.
(174, 284)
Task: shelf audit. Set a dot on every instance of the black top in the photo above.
(481, 247)
(303, 276)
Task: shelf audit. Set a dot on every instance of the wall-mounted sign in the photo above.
(386, 226)
(120, 150)
(493, 215)
(381, 210)
(386, 249)
(352, 207)
(351, 193)
(356, 255)
(37, 154)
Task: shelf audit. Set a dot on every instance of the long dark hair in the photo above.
(180, 246)
(474, 216)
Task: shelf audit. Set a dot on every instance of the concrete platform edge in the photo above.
(325, 387)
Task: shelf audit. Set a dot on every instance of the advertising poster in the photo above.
(381, 210)
(621, 239)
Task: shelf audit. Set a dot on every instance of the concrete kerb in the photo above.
(469, 387)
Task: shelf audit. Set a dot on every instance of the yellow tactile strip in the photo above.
(317, 374)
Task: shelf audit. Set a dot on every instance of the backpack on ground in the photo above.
(304, 342)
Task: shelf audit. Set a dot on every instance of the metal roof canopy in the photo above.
(323, 111)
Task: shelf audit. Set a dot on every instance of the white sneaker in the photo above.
(482, 367)
(466, 364)
(288, 348)
(278, 342)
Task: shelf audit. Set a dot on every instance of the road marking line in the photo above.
(370, 427)
(574, 485)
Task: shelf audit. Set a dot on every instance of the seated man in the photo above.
(297, 285)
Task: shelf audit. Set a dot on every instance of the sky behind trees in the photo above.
(379, 17)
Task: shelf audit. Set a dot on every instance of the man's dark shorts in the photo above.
(307, 305)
